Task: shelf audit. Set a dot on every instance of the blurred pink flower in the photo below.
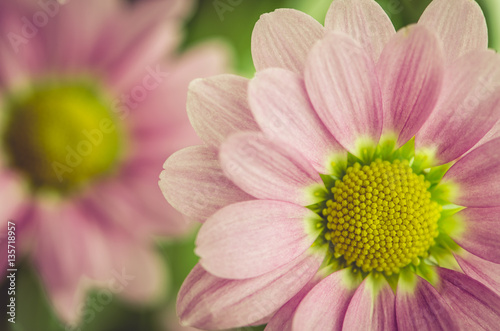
(340, 188)
(83, 223)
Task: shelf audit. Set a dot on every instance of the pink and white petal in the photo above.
(481, 270)
(248, 239)
(423, 309)
(267, 170)
(218, 107)
(467, 109)
(480, 232)
(460, 24)
(283, 39)
(342, 83)
(372, 307)
(476, 306)
(476, 177)
(194, 183)
(208, 302)
(325, 306)
(281, 106)
(363, 20)
(282, 320)
(410, 70)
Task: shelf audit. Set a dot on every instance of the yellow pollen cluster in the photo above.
(381, 217)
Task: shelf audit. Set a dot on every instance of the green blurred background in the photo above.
(231, 21)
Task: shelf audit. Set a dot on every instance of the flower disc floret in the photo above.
(381, 216)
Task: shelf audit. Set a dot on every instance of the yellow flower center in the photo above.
(60, 136)
(381, 216)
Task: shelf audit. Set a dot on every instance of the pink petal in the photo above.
(459, 23)
(177, 8)
(125, 51)
(95, 249)
(476, 307)
(218, 107)
(133, 268)
(492, 134)
(15, 214)
(62, 270)
(477, 176)
(250, 238)
(268, 170)
(11, 71)
(283, 39)
(208, 302)
(325, 306)
(342, 83)
(69, 46)
(20, 57)
(193, 182)
(282, 320)
(481, 232)
(139, 272)
(410, 70)
(149, 146)
(281, 106)
(67, 302)
(467, 108)
(130, 197)
(371, 307)
(481, 270)
(424, 309)
(364, 20)
(12, 196)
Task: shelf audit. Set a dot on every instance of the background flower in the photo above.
(92, 92)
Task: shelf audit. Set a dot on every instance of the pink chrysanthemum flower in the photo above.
(354, 182)
(90, 108)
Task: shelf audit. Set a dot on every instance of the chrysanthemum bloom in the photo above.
(90, 107)
(354, 183)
